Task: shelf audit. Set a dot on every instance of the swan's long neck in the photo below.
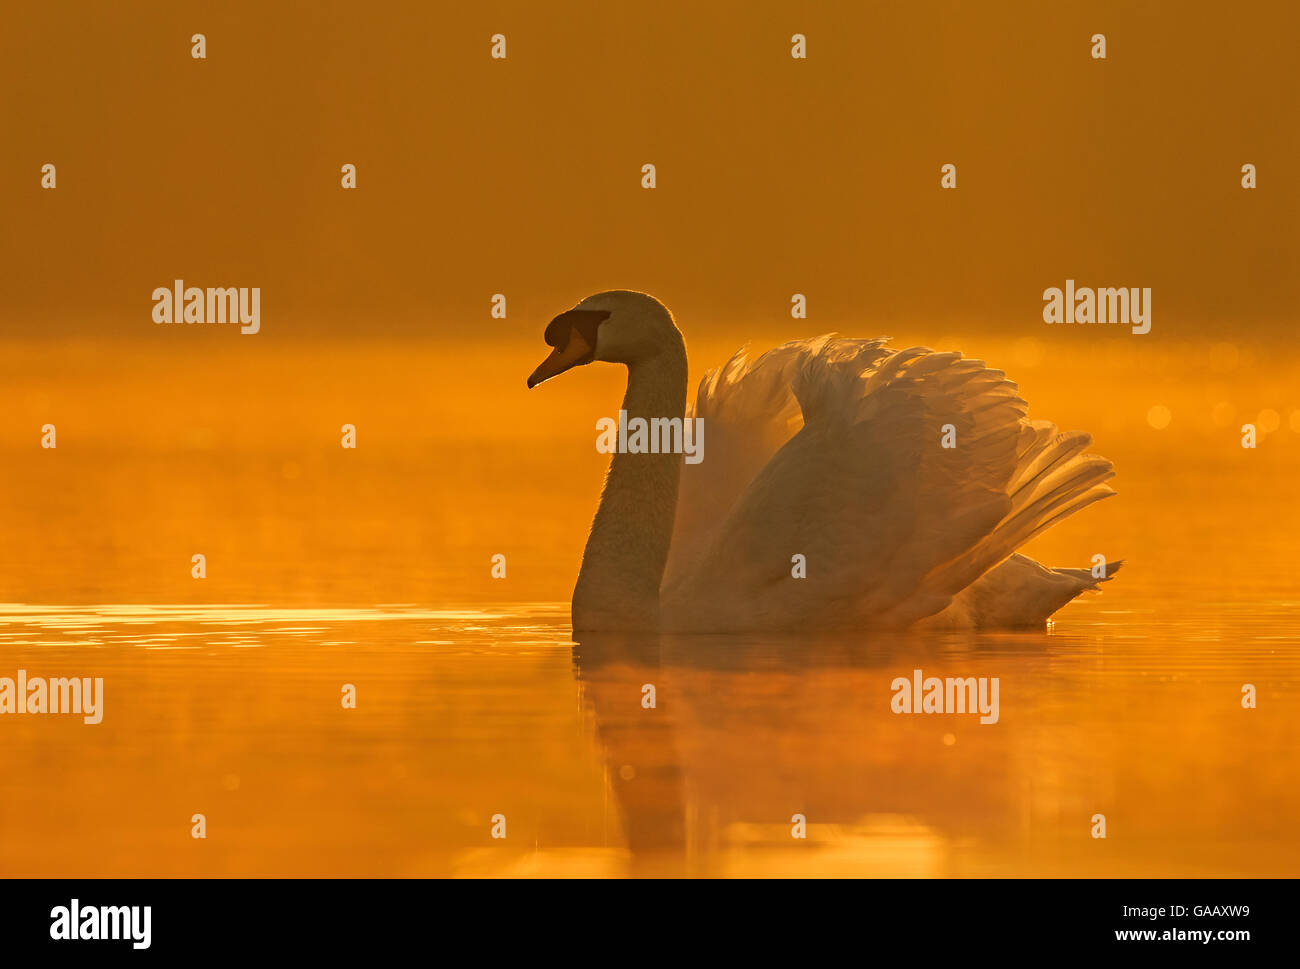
(623, 564)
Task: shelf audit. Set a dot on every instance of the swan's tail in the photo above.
(1089, 580)
(1018, 594)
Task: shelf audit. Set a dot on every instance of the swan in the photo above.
(832, 449)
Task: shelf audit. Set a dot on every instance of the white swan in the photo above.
(830, 449)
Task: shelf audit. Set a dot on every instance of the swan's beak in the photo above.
(576, 351)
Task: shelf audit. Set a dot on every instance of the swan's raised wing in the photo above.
(750, 411)
(911, 476)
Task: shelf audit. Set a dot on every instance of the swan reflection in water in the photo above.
(744, 734)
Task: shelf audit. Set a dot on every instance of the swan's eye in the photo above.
(585, 322)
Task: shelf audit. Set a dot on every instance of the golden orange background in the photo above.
(775, 176)
(522, 177)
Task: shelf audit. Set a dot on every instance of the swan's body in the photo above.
(831, 449)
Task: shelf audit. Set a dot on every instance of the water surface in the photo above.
(372, 567)
(235, 712)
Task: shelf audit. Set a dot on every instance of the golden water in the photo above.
(473, 700)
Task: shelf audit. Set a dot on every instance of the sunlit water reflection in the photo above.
(462, 714)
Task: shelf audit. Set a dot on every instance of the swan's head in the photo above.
(619, 326)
